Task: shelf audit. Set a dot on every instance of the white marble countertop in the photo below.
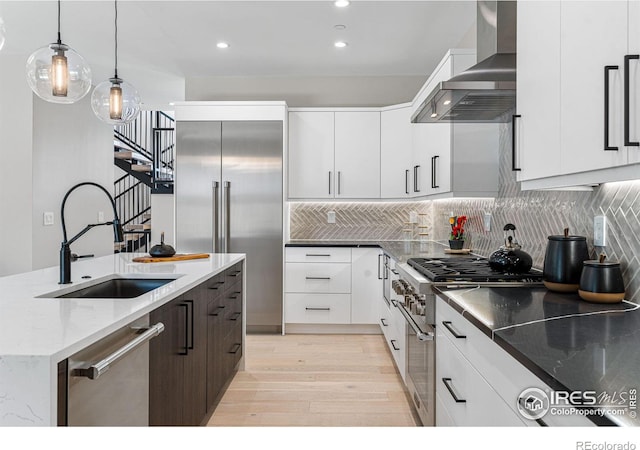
(36, 333)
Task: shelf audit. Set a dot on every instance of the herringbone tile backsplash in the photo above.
(536, 215)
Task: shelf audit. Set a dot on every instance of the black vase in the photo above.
(456, 244)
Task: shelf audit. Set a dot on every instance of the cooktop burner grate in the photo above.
(472, 269)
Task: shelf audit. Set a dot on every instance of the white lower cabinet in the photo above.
(332, 285)
(481, 371)
(393, 325)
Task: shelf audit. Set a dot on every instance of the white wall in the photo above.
(308, 91)
(15, 166)
(70, 145)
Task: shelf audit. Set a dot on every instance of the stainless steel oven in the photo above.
(417, 305)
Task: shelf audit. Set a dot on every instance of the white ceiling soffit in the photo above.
(267, 38)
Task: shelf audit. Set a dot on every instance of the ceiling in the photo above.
(267, 38)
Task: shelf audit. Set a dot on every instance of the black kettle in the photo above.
(509, 258)
(162, 250)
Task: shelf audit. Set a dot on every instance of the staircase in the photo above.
(145, 151)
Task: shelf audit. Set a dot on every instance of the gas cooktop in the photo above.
(468, 269)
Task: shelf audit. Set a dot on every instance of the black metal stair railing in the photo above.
(133, 203)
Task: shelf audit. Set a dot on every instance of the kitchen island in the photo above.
(37, 332)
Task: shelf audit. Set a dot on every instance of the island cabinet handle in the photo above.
(94, 371)
(235, 316)
(218, 311)
(186, 329)
(235, 349)
(447, 325)
(236, 273)
(191, 334)
(216, 285)
(447, 384)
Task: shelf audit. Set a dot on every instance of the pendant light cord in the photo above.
(116, 28)
(59, 39)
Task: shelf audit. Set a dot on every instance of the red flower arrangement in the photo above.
(457, 227)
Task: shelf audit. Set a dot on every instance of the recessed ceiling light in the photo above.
(341, 3)
(340, 27)
(222, 45)
(340, 44)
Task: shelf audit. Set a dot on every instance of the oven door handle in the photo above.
(421, 335)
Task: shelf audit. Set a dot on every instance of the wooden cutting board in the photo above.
(176, 257)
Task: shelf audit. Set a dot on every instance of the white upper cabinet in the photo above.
(334, 154)
(537, 130)
(311, 157)
(571, 92)
(398, 171)
(357, 153)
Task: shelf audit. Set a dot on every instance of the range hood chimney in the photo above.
(484, 93)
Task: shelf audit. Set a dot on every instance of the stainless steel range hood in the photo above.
(486, 92)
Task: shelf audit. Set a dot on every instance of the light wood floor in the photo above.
(315, 380)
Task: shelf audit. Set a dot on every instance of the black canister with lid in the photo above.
(563, 262)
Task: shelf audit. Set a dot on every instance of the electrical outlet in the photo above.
(487, 222)
(100, 216)
(47, 218)
(331, 217)
(600, 231)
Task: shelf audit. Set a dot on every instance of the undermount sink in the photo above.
(115, 288)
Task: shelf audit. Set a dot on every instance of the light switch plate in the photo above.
(331, 217)
(487, 222)
(600, 231)
(47, 219)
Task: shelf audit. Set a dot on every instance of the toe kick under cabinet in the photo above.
(332, 285)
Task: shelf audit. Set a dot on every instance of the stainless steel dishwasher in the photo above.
(107, 383)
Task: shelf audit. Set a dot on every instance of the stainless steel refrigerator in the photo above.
(229, 199)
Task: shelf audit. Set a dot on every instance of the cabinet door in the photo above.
(195, 363)
(166, 363)
(634, 80)
(537, 151)
(432, 155)
(593, 35)
(366, 284)
(357, 154)
(311, 154)
(396, 157)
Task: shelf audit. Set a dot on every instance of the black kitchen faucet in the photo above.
(65, 250)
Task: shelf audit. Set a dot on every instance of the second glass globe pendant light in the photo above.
(57, 73)
(115, 101)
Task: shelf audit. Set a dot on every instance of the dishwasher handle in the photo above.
(99, 368)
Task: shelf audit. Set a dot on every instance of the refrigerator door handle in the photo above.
(227, 217)
(216, 222)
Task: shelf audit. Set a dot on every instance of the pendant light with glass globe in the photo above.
(115, 101)
(57, 73)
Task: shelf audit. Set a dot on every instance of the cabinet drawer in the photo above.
(317, 308)
(318, 277)
(466, 396)
(318, 254)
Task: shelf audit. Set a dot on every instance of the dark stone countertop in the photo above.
(568, 343)
(400, 251)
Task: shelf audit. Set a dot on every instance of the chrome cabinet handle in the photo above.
(447, 325)
(216, 223)
(607, 147)
(627, 100)
(447, 383)
(379, 267)
(514, 168)
(94, 371)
